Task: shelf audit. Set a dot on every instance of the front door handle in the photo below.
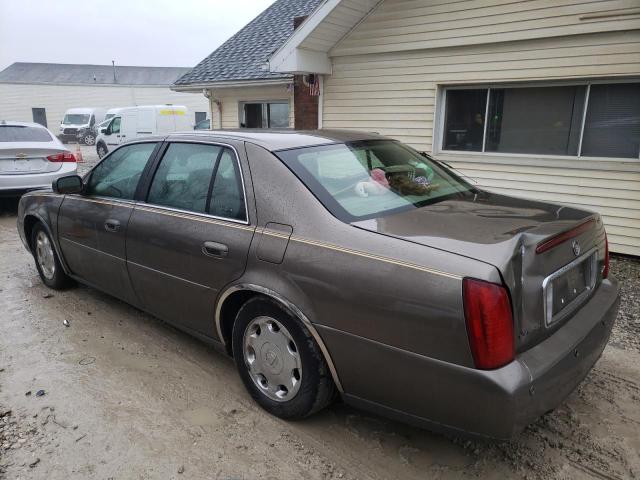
(215, 249)
(112, 225)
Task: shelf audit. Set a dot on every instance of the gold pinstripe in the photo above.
(273, 233)
(359, 253)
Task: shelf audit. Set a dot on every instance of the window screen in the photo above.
(265, 115)
(612, 126)
(543, 120)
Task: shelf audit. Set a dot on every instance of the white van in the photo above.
(135, 122)
(78, 125)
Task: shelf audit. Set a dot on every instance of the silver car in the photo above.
(31, 157)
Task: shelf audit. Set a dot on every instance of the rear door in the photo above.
(92, 227)
(191, 237)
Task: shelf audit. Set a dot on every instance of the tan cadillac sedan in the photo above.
(340, 264)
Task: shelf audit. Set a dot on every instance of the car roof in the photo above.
(274, 140)
(12, 123)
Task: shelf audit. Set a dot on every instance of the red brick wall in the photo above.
(305, 106)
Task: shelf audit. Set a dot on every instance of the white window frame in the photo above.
(280, 101)
(441, 99)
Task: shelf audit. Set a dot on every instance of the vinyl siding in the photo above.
(398, 25)
(337, 24)
(231, 98)
(16, 100)
(396, 93)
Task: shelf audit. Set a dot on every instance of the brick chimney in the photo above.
(305, 106)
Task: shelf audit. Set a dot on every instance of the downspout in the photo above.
(320, 100)
(218, 106)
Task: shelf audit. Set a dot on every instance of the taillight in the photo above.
(487, 311)
(62, 157)
(605, 270)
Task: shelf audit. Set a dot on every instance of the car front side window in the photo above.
(117, 176)
(115, 125)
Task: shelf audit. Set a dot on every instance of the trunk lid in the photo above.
(505, 232)
(27, 158)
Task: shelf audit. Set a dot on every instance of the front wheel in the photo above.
(47, 261)
(279, 361)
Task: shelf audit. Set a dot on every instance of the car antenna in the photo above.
(426, 155)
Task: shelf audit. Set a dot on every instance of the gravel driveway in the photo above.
(126, 396)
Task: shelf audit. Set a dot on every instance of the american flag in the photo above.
(314, 86)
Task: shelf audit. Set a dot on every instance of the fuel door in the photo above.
(273, 242)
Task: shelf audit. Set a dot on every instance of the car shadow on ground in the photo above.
(9, 206)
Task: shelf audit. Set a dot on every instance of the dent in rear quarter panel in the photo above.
(359, 283)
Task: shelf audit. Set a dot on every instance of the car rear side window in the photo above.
(117, 176)
(19, 133)
(199, 178)
(227, 195)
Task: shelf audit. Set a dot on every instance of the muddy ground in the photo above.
(128, 397)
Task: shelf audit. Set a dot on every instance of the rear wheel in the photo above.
(47, 261)
(279, 361)
(89, 139)
(101, 150)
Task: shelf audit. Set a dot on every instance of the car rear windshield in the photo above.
(76, 119)
(19, 133)
(368, 179)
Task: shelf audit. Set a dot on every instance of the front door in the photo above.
(92, 227)
(192, 235)
(112, 135)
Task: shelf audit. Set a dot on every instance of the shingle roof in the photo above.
(244, 56)
(70, 74)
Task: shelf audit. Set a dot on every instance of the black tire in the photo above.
(58, 280)
(316, 390)
(101, 149)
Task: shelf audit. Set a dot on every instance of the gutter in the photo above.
(197, 87)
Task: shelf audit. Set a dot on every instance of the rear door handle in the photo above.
(112, 225)
(215, 249)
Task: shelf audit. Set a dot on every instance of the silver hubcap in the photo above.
(272, 358)
(44, 255)
(89, 139)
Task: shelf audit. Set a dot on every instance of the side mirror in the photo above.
(68, 185)
(103, 130)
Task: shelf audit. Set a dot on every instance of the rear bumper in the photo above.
(450, 398)
(33, 181)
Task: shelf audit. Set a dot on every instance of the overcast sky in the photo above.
(171, 33)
